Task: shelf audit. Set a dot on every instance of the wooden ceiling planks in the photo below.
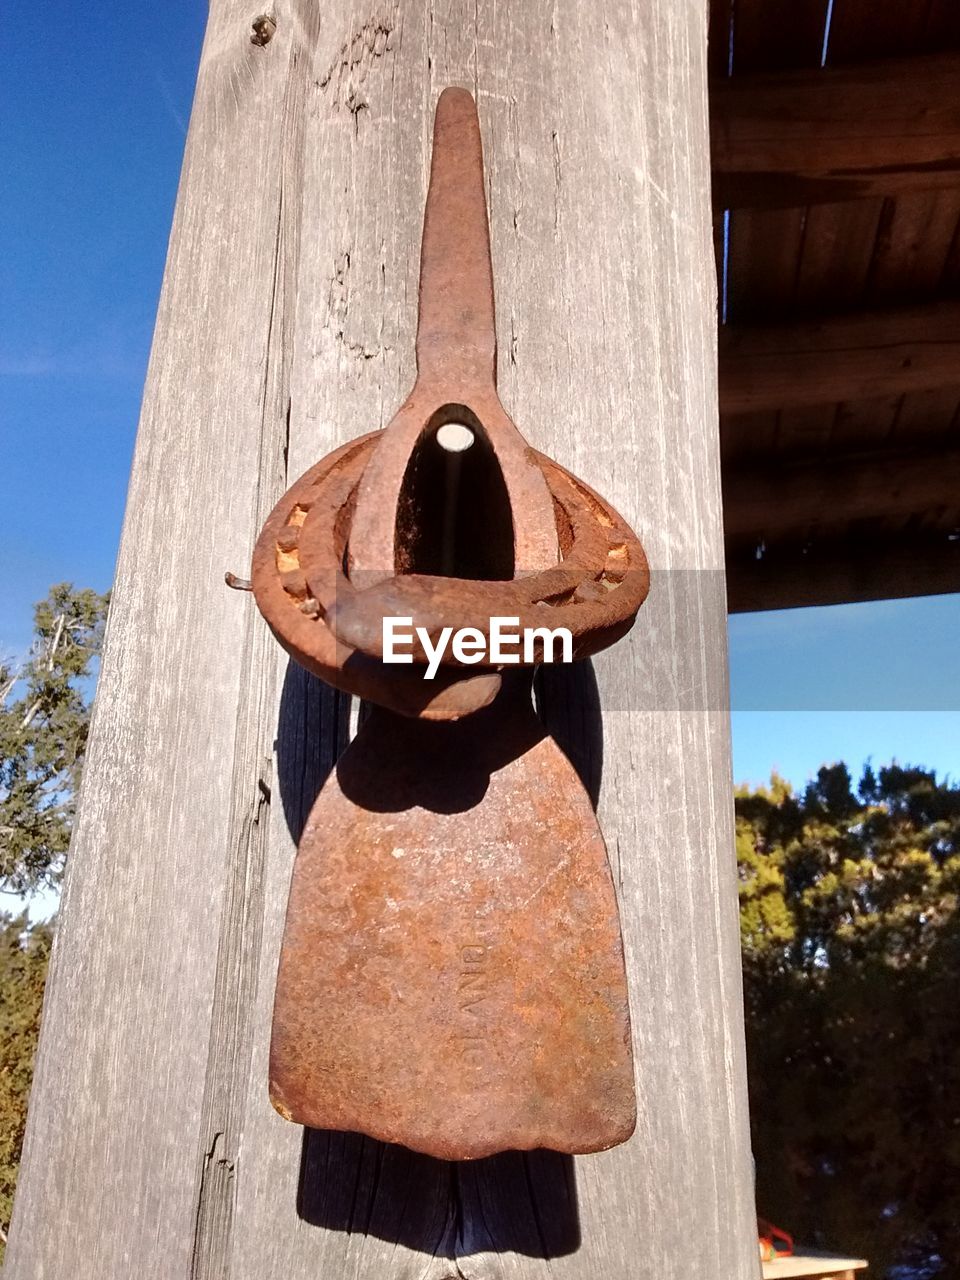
(854, 228)
(819, 575)
(821, 135)
(916, 230)
(909, 265)
(765, 244)
(834, 262)
(865, 30)
(863, 489)
(786, 264)
(926, 416)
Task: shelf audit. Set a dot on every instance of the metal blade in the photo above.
(452, 973)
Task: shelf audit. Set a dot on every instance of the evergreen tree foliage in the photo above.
(851, 951)
(23, 968)
(44, 717)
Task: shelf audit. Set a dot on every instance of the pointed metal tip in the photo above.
(455, 98)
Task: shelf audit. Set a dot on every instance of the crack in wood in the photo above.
(348, 70)
(241, 923)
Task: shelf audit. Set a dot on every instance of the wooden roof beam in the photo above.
(838, 572)
(874, 353)
(807, 137)
(778, 502)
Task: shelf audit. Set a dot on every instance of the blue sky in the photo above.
(879, 680)
(96, 114)
(95, 109)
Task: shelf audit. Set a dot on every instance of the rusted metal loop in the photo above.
(338, 555)
(294, 618)
(594, 591)
(599, 584)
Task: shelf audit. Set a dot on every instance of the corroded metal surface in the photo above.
(343, 547)
(452, 973)
(330, 625)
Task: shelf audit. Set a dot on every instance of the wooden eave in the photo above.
(836, 180)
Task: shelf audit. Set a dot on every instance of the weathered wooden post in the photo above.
(286, 326)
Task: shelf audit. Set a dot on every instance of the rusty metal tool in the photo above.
(451, 975)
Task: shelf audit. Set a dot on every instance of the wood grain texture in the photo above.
(915, 233)
(832, 269)
(766, 246)
(852, 357)
(305, 178)
(786, 139)
(770, 503)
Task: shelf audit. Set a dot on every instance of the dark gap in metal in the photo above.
(453, 515)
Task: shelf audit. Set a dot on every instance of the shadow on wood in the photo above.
(516, 1202)
(568, 703)
(521, 1202)
(314, 730)
(396, 764)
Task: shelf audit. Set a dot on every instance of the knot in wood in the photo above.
(264, 29)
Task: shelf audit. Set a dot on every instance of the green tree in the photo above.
(851, 949)
(44, 717)
(24, 951)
